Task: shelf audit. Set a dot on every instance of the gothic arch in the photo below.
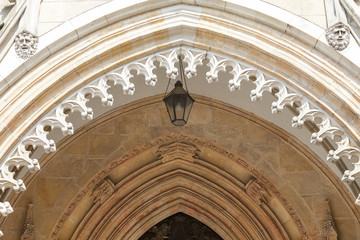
(180, 173)
(181, 179)
(107, 178)
(277, 46)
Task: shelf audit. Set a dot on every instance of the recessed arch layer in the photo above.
(179, 175)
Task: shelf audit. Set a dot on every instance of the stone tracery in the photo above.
(37, 136)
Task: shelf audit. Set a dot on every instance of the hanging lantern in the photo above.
(179, 102)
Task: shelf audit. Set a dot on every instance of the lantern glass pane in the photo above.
(179, 106)
(169, 107)
(189, 103)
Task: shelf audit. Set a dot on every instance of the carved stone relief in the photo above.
(103, 191)
(26, 40)
(329, 225)
(338, 36)
(257, 191)
(177, 150)
(25, 44)
(29, 227)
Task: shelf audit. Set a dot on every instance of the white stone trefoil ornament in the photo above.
(5, 208)
(26, 44)
(338, 36)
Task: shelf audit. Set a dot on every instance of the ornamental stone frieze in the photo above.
(20, 157)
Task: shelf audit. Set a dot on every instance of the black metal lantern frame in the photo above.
(179, 102)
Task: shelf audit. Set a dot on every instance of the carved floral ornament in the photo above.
(285, 96)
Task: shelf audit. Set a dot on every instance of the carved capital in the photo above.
(338, 36)
(103, 191)
(25, 44)
(257, 191)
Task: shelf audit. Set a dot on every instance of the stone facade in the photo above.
(120, 174)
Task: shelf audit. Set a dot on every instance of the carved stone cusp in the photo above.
(103, 191)
(257, 191)
(338, 36)
(5, 208)
(357, 202)
(25, 44)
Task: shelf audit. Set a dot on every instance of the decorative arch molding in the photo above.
(181, 173)
(285, 96)
(32, 75)
(21, 158)
(109, 37)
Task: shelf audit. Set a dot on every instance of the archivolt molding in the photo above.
(192, 169)
(20, 157)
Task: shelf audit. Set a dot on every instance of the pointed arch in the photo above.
(83, 49)
(181, 174)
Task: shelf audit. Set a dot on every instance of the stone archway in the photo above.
(65, 64)
(180, 173)
(224, 166)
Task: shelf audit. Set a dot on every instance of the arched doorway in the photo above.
(74, 64)
(178, 227)
(116, 180)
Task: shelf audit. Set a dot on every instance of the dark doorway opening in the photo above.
(180, 227)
